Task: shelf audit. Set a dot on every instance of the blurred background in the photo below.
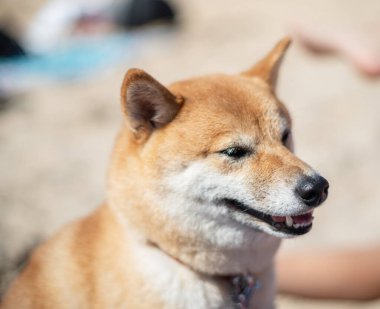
(61, 66)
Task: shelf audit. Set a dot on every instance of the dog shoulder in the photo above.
(65, 263)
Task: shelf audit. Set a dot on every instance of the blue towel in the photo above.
(78, 59)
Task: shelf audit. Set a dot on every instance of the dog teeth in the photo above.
(289, 221)
(298, 225)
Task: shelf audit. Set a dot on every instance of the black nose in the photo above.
(313, 190)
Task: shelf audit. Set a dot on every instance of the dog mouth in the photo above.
(292, 225)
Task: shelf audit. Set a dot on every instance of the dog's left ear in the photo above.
(268, 67)
(147, 104)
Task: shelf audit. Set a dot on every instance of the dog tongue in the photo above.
(303, 218)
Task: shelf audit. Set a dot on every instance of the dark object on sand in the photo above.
(141, 12)
(9, 46)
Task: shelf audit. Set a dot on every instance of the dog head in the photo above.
(211, 158)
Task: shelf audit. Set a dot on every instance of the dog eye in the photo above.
(235, 152)
(285, 137)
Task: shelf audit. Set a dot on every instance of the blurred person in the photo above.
(58, 20)
(361, 49)
(69, 40)
(338, 274)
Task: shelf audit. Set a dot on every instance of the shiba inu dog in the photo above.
(202, 186)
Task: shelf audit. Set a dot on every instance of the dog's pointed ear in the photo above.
(268, 67)
(147, 104)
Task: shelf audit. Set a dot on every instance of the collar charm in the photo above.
(243, 289)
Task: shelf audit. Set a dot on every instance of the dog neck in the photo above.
(242, 286)
(224, 275)
(238, 290)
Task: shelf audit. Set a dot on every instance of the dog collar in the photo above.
(243, 289)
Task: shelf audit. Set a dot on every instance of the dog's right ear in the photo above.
(147, 104)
